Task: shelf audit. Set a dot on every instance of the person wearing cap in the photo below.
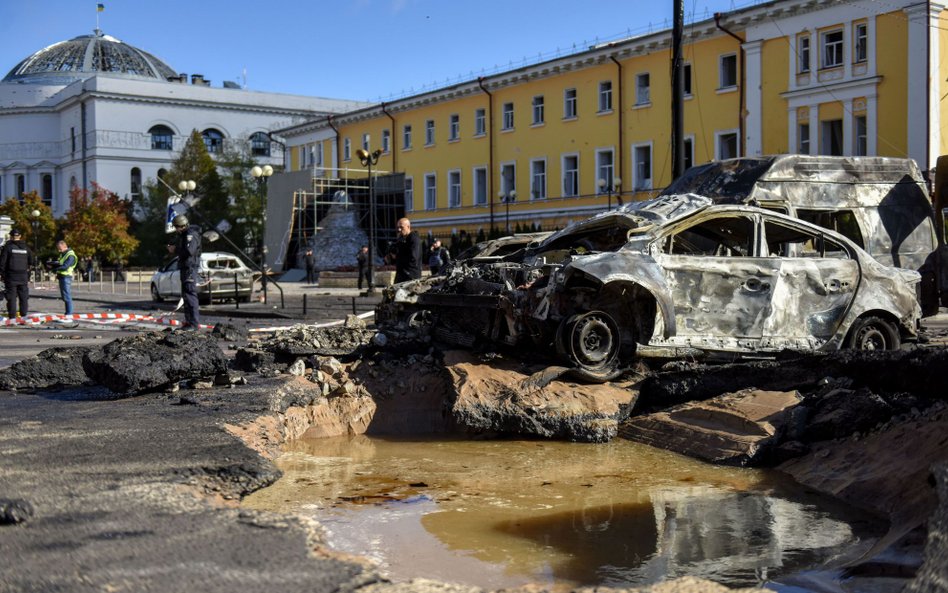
(188, 250)
(16, 261)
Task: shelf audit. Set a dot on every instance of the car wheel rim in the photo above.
(593, 340)
(872, 338)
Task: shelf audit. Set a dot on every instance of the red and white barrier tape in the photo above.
(95, 317)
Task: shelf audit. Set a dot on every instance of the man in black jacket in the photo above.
(16, 261)
(189, 265)
(405, 252)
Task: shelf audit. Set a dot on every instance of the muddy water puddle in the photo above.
(505, 513)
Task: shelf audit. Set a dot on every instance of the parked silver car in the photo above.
(667, 276)
(223, 276)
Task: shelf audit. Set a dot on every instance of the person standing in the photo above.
(362, 257)
(406, 252)
(65, 266)
(438, 257)
(188, 251)
(310, 266)
(16, 261)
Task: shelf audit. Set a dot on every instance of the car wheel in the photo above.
(155, 296)
(244, 298)
(204, 299)
(873, 333)
(591, 342)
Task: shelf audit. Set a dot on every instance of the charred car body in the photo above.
(880, 203)
(669, 276)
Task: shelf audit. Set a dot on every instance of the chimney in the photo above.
(198, 80)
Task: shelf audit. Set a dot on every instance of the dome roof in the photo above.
(86, 55)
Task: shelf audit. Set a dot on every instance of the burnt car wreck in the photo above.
(666, 277)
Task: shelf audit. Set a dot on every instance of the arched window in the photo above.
(162, 173)
(48, 189)
(72, 183)
(260, 144)
(162, 138)
(213, 140)
(135, 181)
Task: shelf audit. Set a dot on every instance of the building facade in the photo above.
(557, 141)
(96, 110)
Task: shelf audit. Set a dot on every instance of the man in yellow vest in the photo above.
(66, 264)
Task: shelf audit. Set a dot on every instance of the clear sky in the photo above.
(368, 50)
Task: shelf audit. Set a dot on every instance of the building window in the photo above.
(569, 103)
(538, 110)
(860, 142)
(832, 48)
(687, 82)
(347, 150)
(538, 179)
(429, 132)
(319, 154)
(570, 175)
(727, 71)
(47, 194)
(135, 182)
(831, 137)
(386, 140)
(259, 144)
(72, 137)
(642, 167)
(803, 54)
(161, 138)
(689, 153)
(508, 116)
(642, 96)
(454, 127)
(365, 142)
(508, 178)
(860, 42)
(431, 191)
(725, 146)
(480, 186)
(604, 168)
(454, 189)
(20, 186)
(213, 140)
(803, 138)
(406, 137)
(605, 96)
(480, 122)
(409, 194)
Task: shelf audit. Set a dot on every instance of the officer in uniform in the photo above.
(64, 268)
(16, 261)
(188, 251)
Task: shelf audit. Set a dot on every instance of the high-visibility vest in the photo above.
(62, 261)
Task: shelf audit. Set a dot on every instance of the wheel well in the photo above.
(881, 314)
(632, 306)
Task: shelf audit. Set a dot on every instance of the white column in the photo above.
(872, 125)
(848, 134)
(753, 122)
(924, 139)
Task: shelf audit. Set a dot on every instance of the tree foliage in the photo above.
(97, 225)
(22, 214)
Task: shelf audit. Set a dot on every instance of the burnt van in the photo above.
(880, 203)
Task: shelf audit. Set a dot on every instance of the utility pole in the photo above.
(678, 91)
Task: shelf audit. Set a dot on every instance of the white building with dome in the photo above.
(96, 110)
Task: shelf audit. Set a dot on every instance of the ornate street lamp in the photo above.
(262, 175)
(368, 159)
(34, 222)
(507, 198)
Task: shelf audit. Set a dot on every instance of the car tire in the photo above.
(244, 298)
(204, 299)
(591, 342)
(155, 295)
(873, 333)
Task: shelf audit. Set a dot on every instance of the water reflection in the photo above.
(504, 513)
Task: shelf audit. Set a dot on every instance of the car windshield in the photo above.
(223, 263)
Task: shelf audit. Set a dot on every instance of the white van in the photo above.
(880, 203)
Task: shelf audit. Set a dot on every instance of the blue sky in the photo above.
(366, 50)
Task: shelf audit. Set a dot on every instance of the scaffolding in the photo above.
(310, 207)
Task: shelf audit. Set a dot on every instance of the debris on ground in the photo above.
(51, 368)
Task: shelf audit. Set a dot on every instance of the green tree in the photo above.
(97, 225)
(247, 199)
(22, 214)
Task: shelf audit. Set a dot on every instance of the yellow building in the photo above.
(560, 140)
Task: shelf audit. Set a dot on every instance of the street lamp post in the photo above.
(615, 188)
(34, 222)
(368, 159)
(507, 198)
(262, 175)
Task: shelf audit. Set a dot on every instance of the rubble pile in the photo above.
(274, 354)
(55, 367)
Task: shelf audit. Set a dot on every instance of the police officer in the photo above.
(16, 260)
(188, 251)
(65, 266)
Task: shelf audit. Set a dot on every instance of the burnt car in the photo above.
(673, 275)
(222, 276)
